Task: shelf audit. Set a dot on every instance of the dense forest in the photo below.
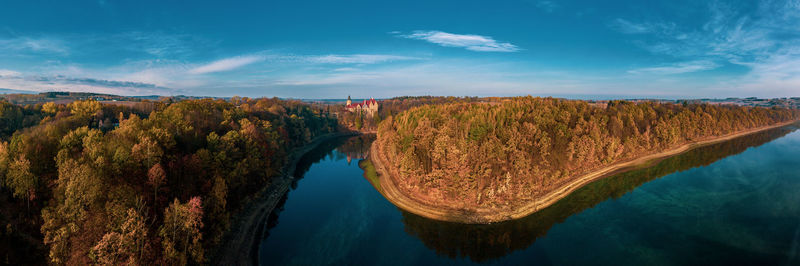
(14, 117)
(483, 242)
(140, 184)
(503, 153)
(394, 106)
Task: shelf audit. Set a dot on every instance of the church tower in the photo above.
(349, 101)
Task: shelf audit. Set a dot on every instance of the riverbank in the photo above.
(390, 190)
(240, 244)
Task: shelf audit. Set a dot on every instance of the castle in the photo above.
(367, 107)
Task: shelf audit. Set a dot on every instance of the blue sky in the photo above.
(329, 49)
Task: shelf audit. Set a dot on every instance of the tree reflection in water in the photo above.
(484, 242)
(350, 147)
(357, 147)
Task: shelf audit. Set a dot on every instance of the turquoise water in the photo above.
(736, 202)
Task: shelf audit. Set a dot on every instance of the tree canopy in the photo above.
(496, 154)
(115, 185)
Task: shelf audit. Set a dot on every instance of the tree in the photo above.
(80, 188)
(125, 245)
(20, 180)
(3, 163)
(359, 120)
(50, 108)
(11, 117)
(147, 151)
(180, 232)
(85, 109)
(214, 148)
(216, 209)
(156, 177)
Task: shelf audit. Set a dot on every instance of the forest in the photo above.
(143, 184)
(484, 242)
(159, 182)
(503, 153)
(394, 106)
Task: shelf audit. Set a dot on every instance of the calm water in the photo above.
(736, 202)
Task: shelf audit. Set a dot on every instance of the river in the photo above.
(735, 202)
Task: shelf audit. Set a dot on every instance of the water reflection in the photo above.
(357, 147)
(484, 242)
(350, 147)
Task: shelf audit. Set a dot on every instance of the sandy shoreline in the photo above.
(482, 216)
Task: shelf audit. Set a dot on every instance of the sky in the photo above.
(366, 48)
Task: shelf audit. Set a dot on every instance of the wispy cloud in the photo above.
(465, 77)
(36, 45)
(226, 64)
(470, 42)
(628, 27)
(95, 82)
(455, 78)
(166, 77)
(232, 63)
(764, 39)
(133, 45)
(358, 59)
(63, 83)
(158, 44)
(9, 73)
(345, 69)
(547, 6)
(683, 67)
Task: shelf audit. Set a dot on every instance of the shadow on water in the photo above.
(480, 243)
(350, 147)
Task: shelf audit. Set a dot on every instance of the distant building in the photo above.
(367, 107)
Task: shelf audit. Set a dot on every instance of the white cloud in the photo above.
(345, 69)
(683, 67)
(226, 64)
(449, 77)
(468, 41)
(62, 83)
(131, 78)
(167, 77)
(547, 6)
(240, 61)
(628, 27)
(36, 45)
(762, 39)
(9, 73)
(157, 44)
(358, 59)
(124, 46)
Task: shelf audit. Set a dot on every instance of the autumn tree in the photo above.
(50, 108)
(156, 177)
(180, 232)
(3, 163)
(518, 148)
(86, 108)
(90, 174)
(124, 245)
(20, 179)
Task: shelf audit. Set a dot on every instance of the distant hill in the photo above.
(63, 97)
(27, 97)
(10, 91)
